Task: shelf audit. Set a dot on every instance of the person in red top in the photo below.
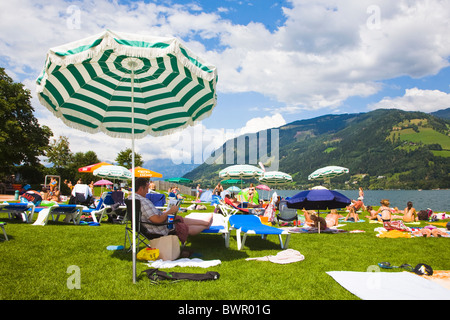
(357, 205)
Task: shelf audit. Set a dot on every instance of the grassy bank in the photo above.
(37, 264)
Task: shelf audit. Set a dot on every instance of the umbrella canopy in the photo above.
(140, 172)
(231, 181)
(127, 86)
(328, 172)
(113, 172)
(241, 171)
(234, 189)
(103, 182)
(318, 199)
(179, 180)
(263, 187)
(95, 83)
(90, 168)
(275, 177)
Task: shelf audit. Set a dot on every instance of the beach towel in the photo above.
(42, 216)
(313, 230)
(390, 286)
(282, 257)
(184, 262)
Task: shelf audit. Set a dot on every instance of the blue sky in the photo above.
(278, 61)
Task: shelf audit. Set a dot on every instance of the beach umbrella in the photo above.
(318, 199)
(103, 182)
(241, 171)
(179, 180)
(234, 189)
(231, 181)
(90, 168)
(328, 172)
(275, 177)
(127, 86)
(113, 172)
(140, 172)
(263, 187)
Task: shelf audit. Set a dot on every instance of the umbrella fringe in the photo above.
(108, 41)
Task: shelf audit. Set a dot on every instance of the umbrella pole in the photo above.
(133, 191)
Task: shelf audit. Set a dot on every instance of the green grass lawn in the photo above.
(38, 262)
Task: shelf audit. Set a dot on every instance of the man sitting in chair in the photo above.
(152, 214)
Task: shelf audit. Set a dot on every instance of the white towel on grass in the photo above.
(390, 286)
(184, 262)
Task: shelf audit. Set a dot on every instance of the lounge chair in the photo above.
(218, 226)
(285, 214)
(97, 213)
(2, 225)
(250, 224)
(14, 208)
(72, 212)
(254, 211)
(227, 210)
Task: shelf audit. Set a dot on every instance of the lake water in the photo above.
(437, 200)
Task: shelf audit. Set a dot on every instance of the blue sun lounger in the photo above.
(72, 211)
(27, 209)
(250, 224)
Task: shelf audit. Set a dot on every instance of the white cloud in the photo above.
(326, 52)
(416, 100)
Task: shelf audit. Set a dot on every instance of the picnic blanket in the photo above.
(390, 285)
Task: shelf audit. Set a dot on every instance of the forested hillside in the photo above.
(383, 149)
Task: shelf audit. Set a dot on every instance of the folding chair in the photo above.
(142, 235)
(286, 214)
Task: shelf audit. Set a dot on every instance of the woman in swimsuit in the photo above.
(410, 214)
(332, 218)
(384, 212)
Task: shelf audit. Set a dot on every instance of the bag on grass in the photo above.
(168, 247)
(158, 275)
(148, 254)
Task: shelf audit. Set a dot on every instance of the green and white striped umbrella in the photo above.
(275, 177)
(94, 83)
(128, 86)
(328, 172)
(241, 171)
(113, 172)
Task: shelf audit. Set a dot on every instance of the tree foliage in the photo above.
(22, 139)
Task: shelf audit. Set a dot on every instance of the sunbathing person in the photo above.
(410, 214)
(332, 218)
(313, 220)
(384, 212)
(352, 215)
(238, 204)
(372, 212)
(425, 232)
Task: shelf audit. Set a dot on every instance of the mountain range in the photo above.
(383, 149)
